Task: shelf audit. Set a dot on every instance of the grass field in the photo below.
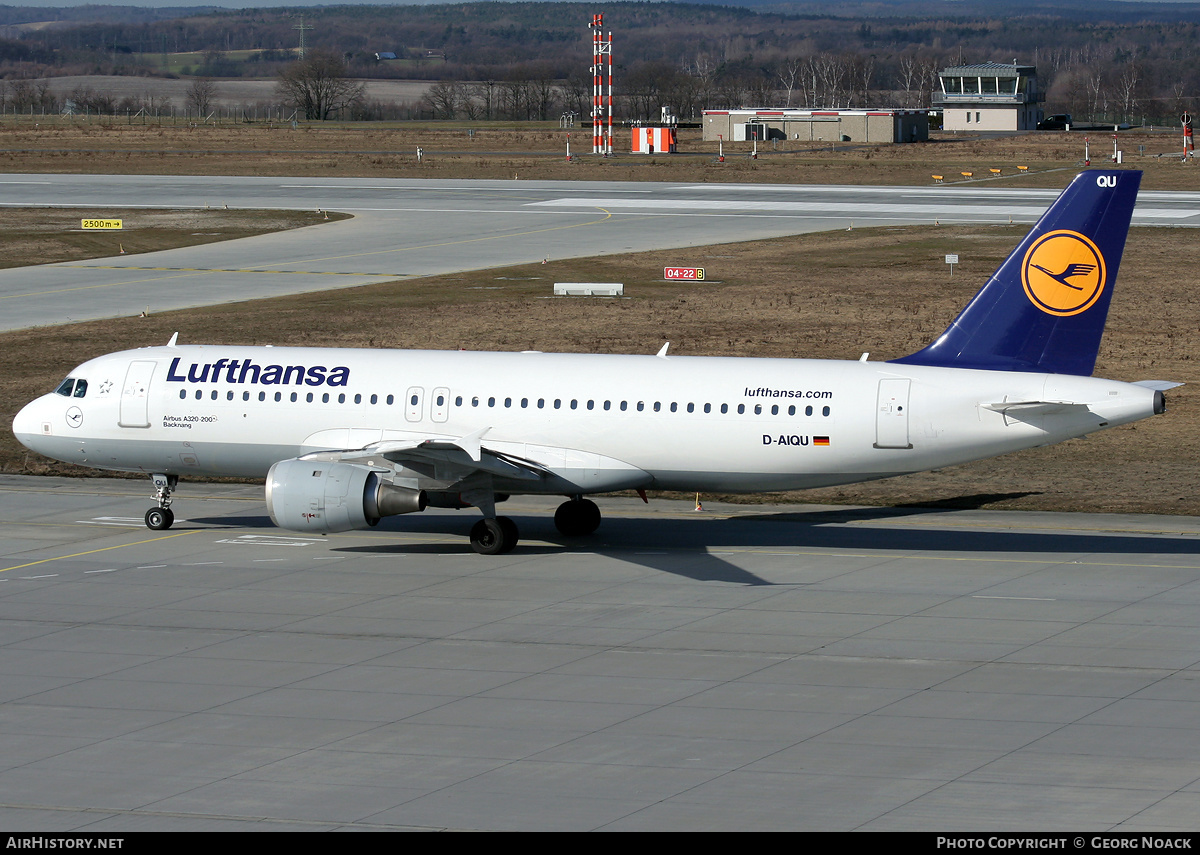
(52, 235)
(831, 295)
(507, 151)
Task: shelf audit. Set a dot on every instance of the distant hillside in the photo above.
(1104, 60)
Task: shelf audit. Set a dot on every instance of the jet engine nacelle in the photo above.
(325, 496)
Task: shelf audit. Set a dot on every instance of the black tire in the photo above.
(577, 518)
(511, 534)
(492, 537)
(159, 519)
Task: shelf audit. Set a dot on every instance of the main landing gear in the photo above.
(162, 517)
(577, 518)
(495, 535)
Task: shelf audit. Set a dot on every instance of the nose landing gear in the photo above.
(162, 517)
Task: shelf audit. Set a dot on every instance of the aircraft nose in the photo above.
(28, 424)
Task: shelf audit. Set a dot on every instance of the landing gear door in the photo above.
(135, 394)
(891, 414)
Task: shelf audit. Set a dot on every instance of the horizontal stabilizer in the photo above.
(1157, 385)
(1040, 408)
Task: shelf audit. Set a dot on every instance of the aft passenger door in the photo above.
(891, 414)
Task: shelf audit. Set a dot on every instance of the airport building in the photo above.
(989, 97)
(861, 126)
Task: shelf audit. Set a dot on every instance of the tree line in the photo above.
(532, 60)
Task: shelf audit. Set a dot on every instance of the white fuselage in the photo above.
(598, 422)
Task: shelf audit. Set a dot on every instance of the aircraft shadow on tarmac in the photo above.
(680, 545)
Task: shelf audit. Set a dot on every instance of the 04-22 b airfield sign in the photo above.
(693, 273)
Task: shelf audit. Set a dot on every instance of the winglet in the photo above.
(1044, 309)
(662, 351)
(174, 338)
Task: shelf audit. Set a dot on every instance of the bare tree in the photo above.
(443, 99)
(200, 96)
(1129, 90)
(317, 85)
(788, 71)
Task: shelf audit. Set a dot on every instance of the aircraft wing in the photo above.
(445, 461)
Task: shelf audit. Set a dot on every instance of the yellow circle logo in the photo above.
(1063, 273)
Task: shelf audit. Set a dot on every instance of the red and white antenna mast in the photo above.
(601, 141)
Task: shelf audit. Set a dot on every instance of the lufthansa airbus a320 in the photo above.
(345, 437)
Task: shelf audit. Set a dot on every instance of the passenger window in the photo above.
(508, 402)
(741, 409)
(641, 406)
(774, 409)
(824, 411)
(294, 396)
(374, 399)
(607, 405)
(342, 398)
(658, 406)
(245, 396)
(199, 394)
(591, 405)
(391, 399)
(524, 403)
(674, 407)
(182, 394)
(262, 396)
(708, 408)
(758, 409)
(574, 404)
(808, 410)
(491, 402)
(792, 410)
(724, 408)
(325, 398)
(278, 397)
(358, 398)
(541, 403)
(214, 394)
(229, 395)
(691, 408)
(558, 403)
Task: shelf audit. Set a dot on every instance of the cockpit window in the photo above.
(66, 387)
(80, 388)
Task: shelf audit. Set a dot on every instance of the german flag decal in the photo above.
(820, 440)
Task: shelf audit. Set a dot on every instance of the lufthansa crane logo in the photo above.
(1063, 273)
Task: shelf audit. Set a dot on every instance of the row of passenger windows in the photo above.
(527, 403)
(310, 397)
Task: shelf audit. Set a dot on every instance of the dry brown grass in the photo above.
(53, 235)
(505, 151)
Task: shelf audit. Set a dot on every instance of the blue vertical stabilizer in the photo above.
(1044, 309)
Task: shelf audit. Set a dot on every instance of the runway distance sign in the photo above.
(693, 273)
(100, 224)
